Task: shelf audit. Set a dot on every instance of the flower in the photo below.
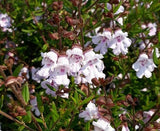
(34, 104)
(35, 76)
(92, 67)
(24, 73)
(125, 128)
(59, 72)
(75, 57)
(102, 125)
(151, 27)
(48, 62)
(102, 40)
(91, 112)
(5, 22)
(49, 83)
(120, 42)
(143, 66)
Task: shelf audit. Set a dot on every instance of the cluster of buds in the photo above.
(15, 110)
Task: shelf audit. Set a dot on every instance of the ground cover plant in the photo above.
(79, 65)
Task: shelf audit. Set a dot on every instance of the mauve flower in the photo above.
(75, 57)
(34, 104)
(48, 62)
(5, 22)
(50, 87)
(152, 27)
(92, 67)
(120, 42)
(102, 40)
(102, 125)
(91, 112)
(60, 72)
(144, 66)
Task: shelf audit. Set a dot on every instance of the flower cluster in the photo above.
(118, 41)
(82, 65)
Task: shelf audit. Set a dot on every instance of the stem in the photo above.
(68, 128)
(44, 123)
(15, 120)
(18, 95)
(91, 5)
(2, 73)
(81, 21)
(36, 22)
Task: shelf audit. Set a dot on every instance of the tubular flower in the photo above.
(5, 22)
(75, 57)
(102, 125)
(102, 40)
(92, 67)
(48, 62)
(144, 66)
(120, 42)
(91, 112)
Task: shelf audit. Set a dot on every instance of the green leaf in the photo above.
(27, 118)
(44, 48)
(28, 19)
(25, 92)
(1, 101)
(155, 58)
(80, 92)
(17, 70)
(86, 100)
(40, 104)
(87, 126)
(28, 31)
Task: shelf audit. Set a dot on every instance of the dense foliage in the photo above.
(74, 65)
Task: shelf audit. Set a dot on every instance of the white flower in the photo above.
(48, 62)
(143, 66)
(92, 67)
(152, 28)
(5, 22)
(33, 102)
(75, 57)
(120, 42)
(91, 112)
(102, 40)
(35, 76)
(59, 74)
(147, 115)
(102, 125)
(50, 83)
(125, 128)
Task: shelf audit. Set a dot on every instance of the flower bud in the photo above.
(75, 2)
(56, 18)
(84, 88)
(57, 5)
(96, 82)
(54, 36)
(114, 1)
(72, 21)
